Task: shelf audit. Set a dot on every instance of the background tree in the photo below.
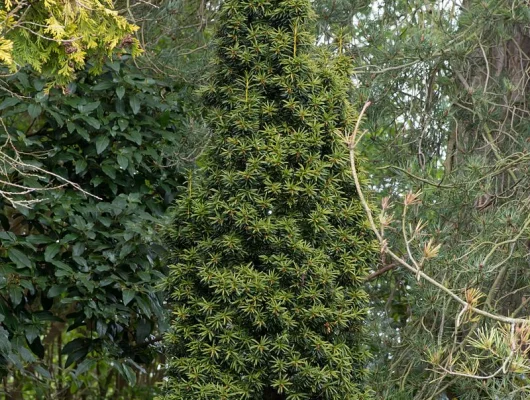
(447, 81)
(448, 84)
(270, 244)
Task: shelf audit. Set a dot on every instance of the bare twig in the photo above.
(381, 271)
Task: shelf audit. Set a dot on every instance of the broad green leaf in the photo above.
(9, 236)
(126, 250)
(80, 165)
(76, 356)
(9, 102)
(129, 374)
(62, 266)
(56, 290)
(46, 316)
(38, 84)
(82, 132)
(56, 116)
(15, 294)
(115, 65)
(120, 92)
(74, 345)
(135, 104)
(106, 282)
(123, 161)
(39, 239)
(78, 249)
(42, 371)
(93, 122)
(103, 85)
(80, 260)
(136, 137)
(144, 276)
(123, 124)
(19, 258)
(144, 306)
(88, 108)
(102, 143)
(34, 110)
(85, 366)
(109, 170)
(31, 332)
(27, 285)
(26, 355)
(101, 328)
(5, 344)
(51, 251)
(128, 295)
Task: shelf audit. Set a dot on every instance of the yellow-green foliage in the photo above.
(56, 37)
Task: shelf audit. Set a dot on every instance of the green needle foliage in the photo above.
(270, 246)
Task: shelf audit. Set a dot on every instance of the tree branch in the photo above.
(381, 271)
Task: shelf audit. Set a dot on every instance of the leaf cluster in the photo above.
(57, 38)
(73, 261)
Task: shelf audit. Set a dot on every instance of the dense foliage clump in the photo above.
(57, 38)
(83, 257)
(270, 245)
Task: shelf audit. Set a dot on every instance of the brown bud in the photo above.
(70, 48)
(126, 41)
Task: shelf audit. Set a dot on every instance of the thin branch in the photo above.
(487, 68)
(10, 164)
(381, 271)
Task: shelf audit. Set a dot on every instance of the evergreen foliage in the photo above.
(57, 37)
(449, 86)
(76, 263)
(270, 245)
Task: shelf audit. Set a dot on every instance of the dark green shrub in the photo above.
(71, 261)
(270, 244)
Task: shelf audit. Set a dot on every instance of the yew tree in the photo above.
(270, 244)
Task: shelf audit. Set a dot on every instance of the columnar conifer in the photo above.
(270, 245)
